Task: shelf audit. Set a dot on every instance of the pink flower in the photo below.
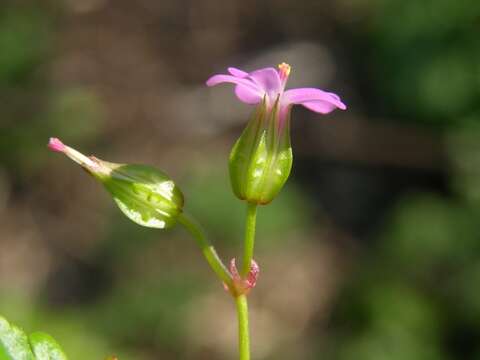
(270, 83)
(261, 159)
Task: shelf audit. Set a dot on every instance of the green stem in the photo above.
(243, 334)
(207, 248)
(249, 238)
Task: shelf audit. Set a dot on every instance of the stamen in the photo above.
(284, 71)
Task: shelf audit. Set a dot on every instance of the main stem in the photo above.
(241, 300)
(219, 268)
(207, 248)
(249, 238)
(243, 334)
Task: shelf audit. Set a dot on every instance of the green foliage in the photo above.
(45, 347)
(16, 345)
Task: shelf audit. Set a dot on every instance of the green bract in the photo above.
(261, 159)
(15, 345)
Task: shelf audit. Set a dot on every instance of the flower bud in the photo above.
(144, 194)
(261, 159)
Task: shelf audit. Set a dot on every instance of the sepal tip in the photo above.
(56, 145)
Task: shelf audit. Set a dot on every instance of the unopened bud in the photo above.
(144, 194)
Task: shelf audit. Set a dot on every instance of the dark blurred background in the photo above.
(371, 252)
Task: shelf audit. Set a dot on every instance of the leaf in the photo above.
(45, 347)
(13, 343)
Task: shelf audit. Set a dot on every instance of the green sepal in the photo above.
(144, 194)
(261, 159)
(45, 347)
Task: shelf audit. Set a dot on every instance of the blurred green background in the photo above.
(371, 252)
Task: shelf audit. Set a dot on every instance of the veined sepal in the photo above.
(261, 159)
(143, 193)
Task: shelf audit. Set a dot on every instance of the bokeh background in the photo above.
(371, 252)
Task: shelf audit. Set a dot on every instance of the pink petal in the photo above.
(237, 72)
(246, 90)
(247, 96)
(268, 80)
(218, 79)
(56, 145)
(321, 107)
(314, 99)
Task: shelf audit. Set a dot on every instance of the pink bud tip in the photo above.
(56, 145)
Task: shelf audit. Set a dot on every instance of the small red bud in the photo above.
(242, 286)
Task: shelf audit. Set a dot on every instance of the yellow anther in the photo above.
(284, 70)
